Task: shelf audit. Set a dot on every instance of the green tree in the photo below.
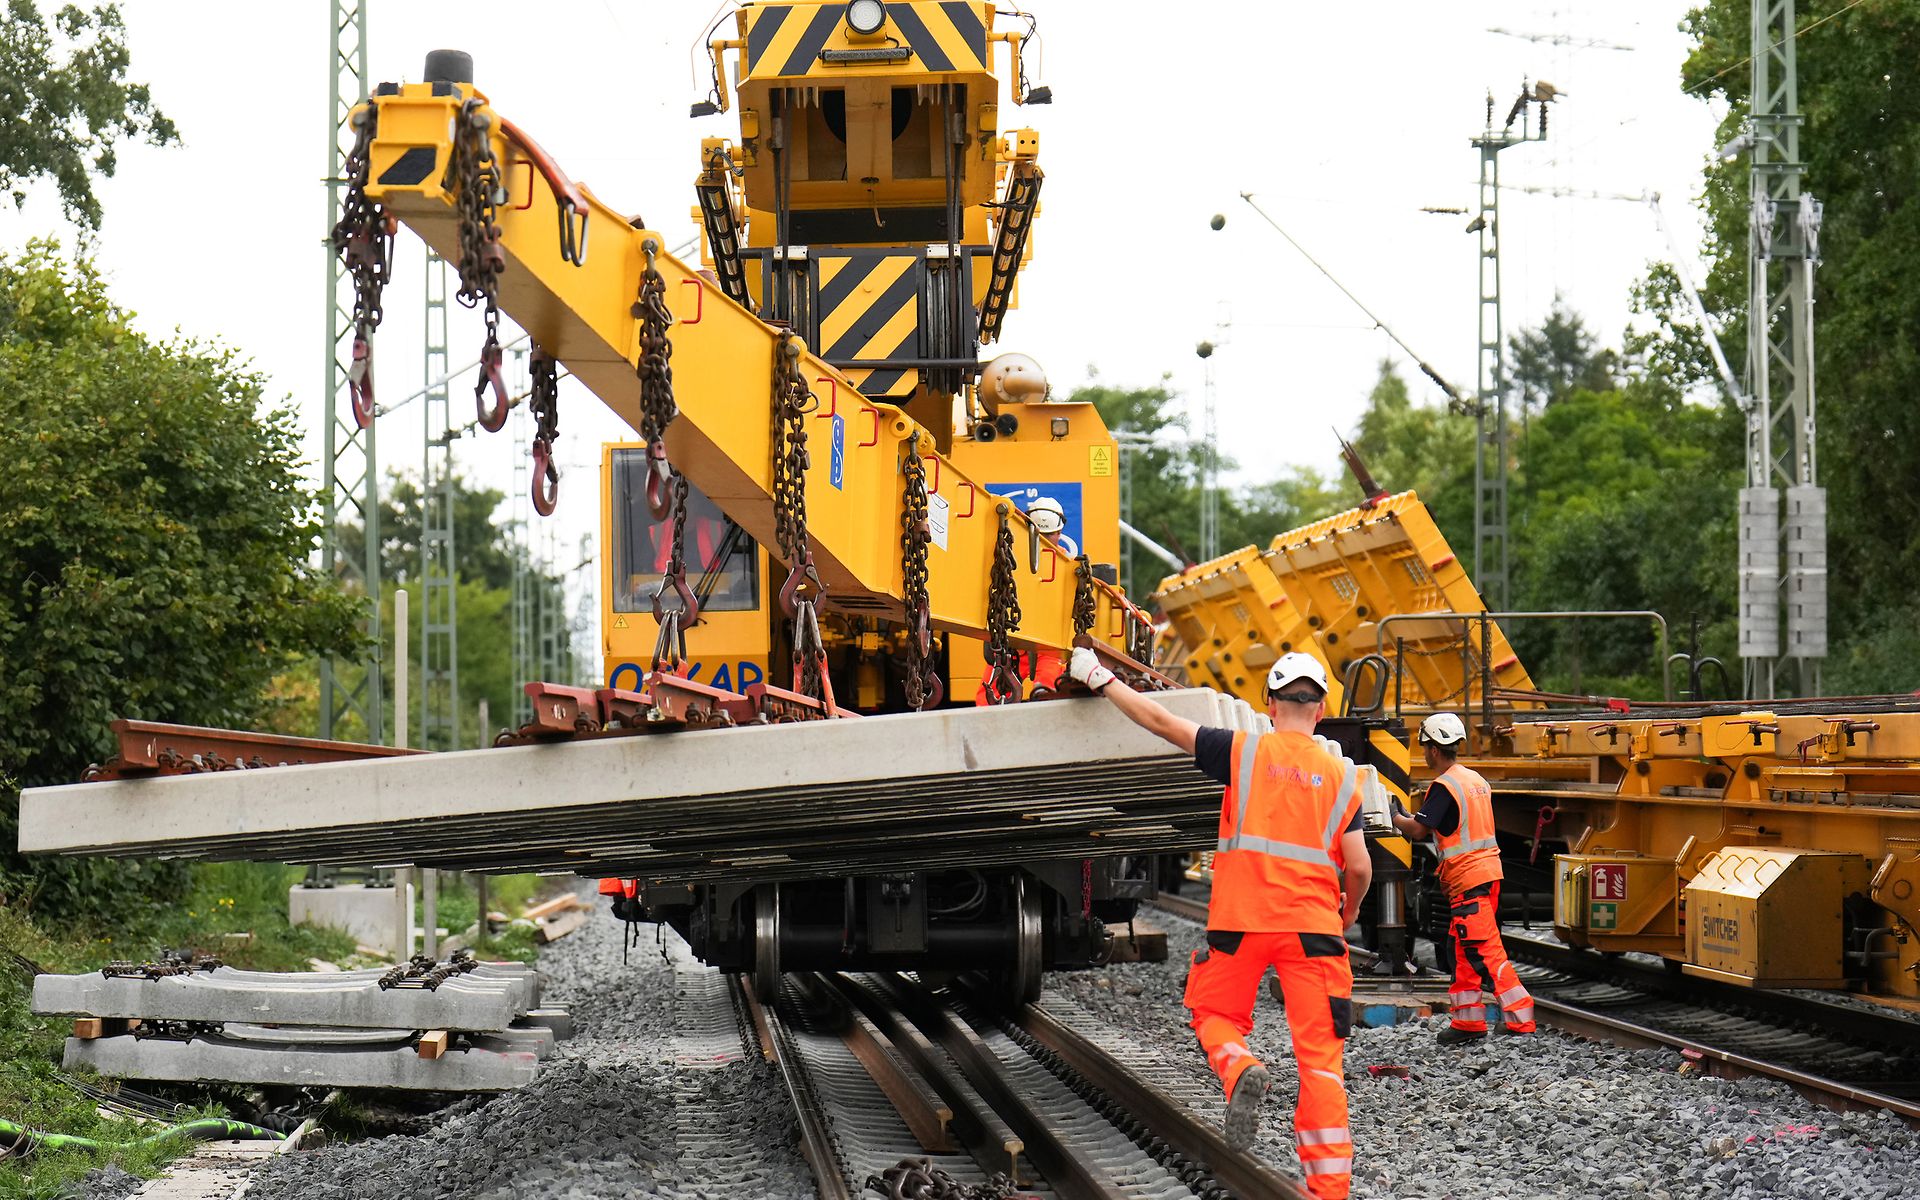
(1422, 448)
(1546, 364)
(486, 554)
(1627, 503)
(154, 534)
(67, 102)
(1861, 146)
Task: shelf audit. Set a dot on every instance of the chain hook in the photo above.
(546, 478)
(494, 419)
(360, 378)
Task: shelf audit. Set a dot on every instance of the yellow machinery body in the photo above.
(1329, 589)
(1762, 916)
(834, 130)
(1800, 830)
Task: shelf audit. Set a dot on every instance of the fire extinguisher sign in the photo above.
(1609, 882)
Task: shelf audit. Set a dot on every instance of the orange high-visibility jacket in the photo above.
(1470, 855)
(1277, 869)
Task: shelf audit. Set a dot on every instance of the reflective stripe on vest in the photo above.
(1248, 747)
(1461, 843)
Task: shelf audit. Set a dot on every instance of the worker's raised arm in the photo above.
(1085, 667)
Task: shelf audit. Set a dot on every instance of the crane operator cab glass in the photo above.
(717, 553)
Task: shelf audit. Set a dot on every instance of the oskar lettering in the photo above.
(729, 677)
(1720, 929)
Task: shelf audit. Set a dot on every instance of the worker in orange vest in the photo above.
(1458, 816)
(1288, 877)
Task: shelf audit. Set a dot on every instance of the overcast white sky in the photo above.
(1343, 118)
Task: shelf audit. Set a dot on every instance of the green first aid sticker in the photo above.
(1603, 916)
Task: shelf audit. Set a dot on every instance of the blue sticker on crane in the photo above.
(837, 461)
(1067, 494)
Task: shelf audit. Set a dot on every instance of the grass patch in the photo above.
(237, 911)
(509, 895)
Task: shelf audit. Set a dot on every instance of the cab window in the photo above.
(641, 545)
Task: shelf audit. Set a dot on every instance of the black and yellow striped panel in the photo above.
(884, 383)
(868, 306)
(1388, 753)
(785, 40)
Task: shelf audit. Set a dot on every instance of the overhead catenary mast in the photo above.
(1783, 249)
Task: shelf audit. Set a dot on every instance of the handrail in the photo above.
(1646, 614)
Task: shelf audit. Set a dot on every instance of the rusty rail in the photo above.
(156, 748)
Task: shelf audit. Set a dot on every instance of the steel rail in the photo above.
(1594, 1026)
(912, 1095)
(1248, 1177)
(1828, 1093)
(1877, 1029)
(1181, 906)
(816, 1134)
(984, 1133)
(1069, 1171)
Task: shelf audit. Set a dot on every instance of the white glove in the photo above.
(1085, 667)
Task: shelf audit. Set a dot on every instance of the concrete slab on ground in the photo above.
(210, 1060)
(479, 1000)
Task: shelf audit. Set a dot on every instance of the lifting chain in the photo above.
(657, 409)
(792, 401)
(924, 689)
(363, 239)
(670, 648)
(544, 400)
(1083, 610)
(473, 176)
(919, 1179)
(1139, 636)
(1003, 617)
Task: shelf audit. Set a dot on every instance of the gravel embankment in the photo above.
(629, 1107)
(1534, 1117)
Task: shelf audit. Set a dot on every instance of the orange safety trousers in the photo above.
(1317, 982)
(1480, 962)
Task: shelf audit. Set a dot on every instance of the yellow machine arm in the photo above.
(1374, 593)
(584, 315)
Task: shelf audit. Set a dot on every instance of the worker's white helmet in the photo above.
(1294, 667)
(1442, 729)
(1047, 515)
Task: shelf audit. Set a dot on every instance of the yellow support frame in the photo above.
(722, 366)
(1323, 589)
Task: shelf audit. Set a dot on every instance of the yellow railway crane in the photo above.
(825, 513)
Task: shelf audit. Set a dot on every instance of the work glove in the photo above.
(1085, 667)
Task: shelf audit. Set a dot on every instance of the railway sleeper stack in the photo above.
(479, 1027)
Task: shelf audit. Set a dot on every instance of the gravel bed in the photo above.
(1523, 1117)
(628, 1107)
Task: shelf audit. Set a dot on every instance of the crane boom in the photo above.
(723, 363)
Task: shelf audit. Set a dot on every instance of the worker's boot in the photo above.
(1451, 1036)
(1243, 1107)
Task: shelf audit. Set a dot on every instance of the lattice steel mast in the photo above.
(439, 561)
(350, 482)
(1784, 229)
(1490, 552)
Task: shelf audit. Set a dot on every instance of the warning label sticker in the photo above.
(1603, 915)
(1099, 461)
(937, 519)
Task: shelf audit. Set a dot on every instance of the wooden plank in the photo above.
(433, 1043)
(88, 1028)
(1141, 945)
(558, 904)
(554, 928)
